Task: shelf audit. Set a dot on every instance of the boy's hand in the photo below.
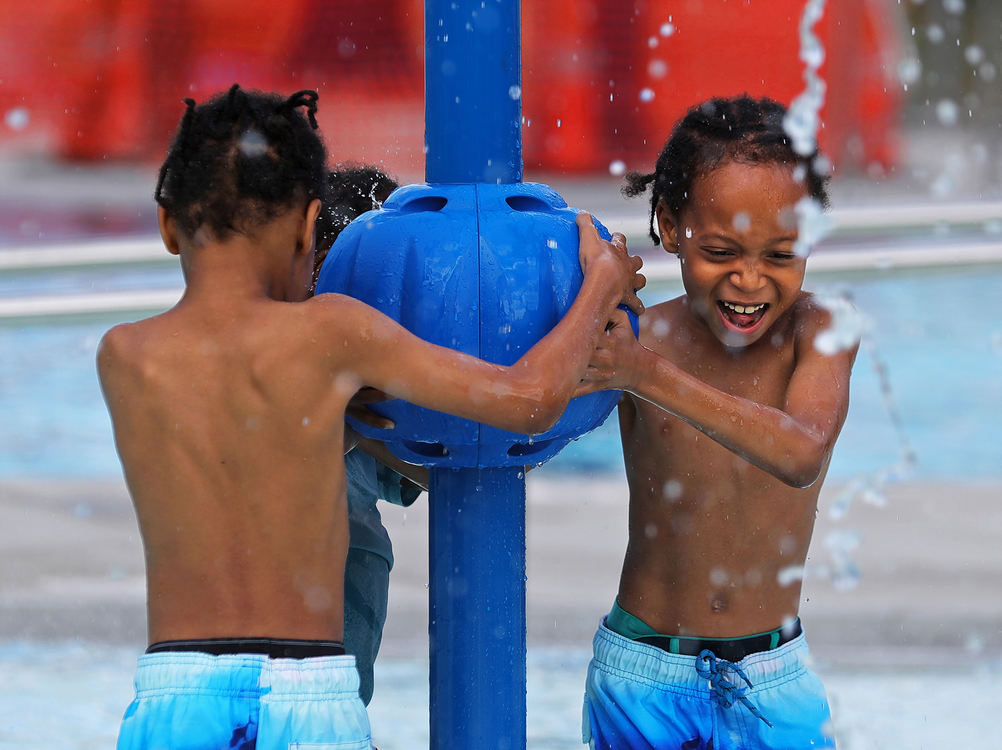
(358, 408)
(614, 360)
(592, 249)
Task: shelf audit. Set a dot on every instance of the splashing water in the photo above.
(813, 225)
(847, 324)
(803, 117)
(844, 574)
(801, 123)
(869, 488)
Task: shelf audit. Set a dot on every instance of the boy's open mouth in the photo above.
(742, 316)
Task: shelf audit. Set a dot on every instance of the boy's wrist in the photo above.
(643, 370)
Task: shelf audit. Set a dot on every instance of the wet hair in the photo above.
(241, 159)
(351, 191)
(739, 129)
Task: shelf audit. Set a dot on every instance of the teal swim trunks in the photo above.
(197, 701)
(642, 697)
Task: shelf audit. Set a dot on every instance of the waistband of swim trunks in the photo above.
(245, 674)
(731, 649)
(275, 648)
(618, 652)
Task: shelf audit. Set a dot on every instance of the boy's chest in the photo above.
(761, 373)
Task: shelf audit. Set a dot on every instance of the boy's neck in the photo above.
(239, 268)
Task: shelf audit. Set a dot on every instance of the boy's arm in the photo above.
(527, 397)
(793, 443)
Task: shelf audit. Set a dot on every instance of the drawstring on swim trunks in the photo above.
(709, 667)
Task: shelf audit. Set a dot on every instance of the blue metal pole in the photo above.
(473, 91)
(477, 613)
(473, 134)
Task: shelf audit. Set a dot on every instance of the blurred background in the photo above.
(101, 81)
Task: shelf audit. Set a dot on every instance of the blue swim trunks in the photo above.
(198, 701)
(640, 697)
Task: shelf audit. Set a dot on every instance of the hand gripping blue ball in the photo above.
(484, 269)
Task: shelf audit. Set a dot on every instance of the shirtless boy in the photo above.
(228, 414)
(728, 425)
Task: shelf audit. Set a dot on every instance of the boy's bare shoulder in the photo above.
(809, 311)
(342, 314)
(656, 316)
(121, 344)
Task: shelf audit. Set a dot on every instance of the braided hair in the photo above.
(738, 129)
(241, 159)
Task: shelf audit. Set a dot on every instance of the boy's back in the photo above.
(228, 414)
(228, 433)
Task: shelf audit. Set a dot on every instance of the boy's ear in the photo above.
(307, 237)
(667, 229)
(168, 231)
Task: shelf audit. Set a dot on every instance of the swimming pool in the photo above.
(935, 331)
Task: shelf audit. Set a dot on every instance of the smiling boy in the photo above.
(728, 425)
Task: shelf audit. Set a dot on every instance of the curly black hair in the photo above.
(241, 159)
(351, 191)
(739, 129)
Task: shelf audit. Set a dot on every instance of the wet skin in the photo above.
(730, 415)
(228, 414)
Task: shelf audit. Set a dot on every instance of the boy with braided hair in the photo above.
(732, 408)
(228, 415)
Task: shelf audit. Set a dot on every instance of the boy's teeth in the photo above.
(744, 309)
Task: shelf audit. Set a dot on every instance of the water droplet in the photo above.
(657, 68)
(667, 29)
(688, 233)
(946, 111)
(17, 118)
(909, 70)
(742, 221)
(617, 167)
(253, 144)
(646, 95)
(790, 574)
(672, 490)
(515, 92)
(974, 54)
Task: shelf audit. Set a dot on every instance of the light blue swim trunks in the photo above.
(197, 701)
(640, 697)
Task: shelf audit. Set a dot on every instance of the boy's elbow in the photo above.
(540, 410)
(800, 480)
(806, 468)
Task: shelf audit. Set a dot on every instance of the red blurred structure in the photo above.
(603, 80)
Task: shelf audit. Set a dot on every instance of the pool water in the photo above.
(936, 333)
